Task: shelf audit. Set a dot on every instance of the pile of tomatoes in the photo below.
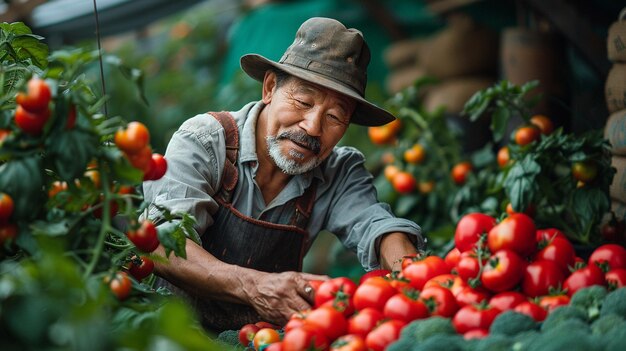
(494, 267)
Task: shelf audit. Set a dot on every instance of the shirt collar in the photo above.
(247, 150)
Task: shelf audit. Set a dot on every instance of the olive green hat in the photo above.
(328, 54)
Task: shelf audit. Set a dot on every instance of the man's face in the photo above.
(305, 121)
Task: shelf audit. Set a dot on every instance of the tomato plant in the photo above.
(584, 171)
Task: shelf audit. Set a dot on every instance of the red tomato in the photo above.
(615, 278)
(362, 322)
(247, 333)
(452, 258)
(611, 255)
(532, 310)
(582, 278)
(440, 301)
(503, 157)
(405, 308)
(399, 282)
(265, 336)
(31, 123)
(145, 237)
(548, 234)
(540, 276)
(304, 338)
(329, 321)
(419, 272)
(475, 334)
(140, 267)
(404, 182)
(329, 289)
(133, 138)
(516, 233)
(349, 342)
(120, 285)
(460, 171)
(471, 296)
(530, 210)
(384, 334)
(468, 267)
(6, 207)
(374, 273)
(550, 302)
(37, 97)
(469, 229)
(374, 293)
(71, 117)
(443, 280)
(507, 300)
(341, 303)
(157, 167)
(559, 250)
(296, 321)
(503, 271)
(472, 317)
(141, 159)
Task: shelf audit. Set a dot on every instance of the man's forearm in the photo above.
(202, 274)
(393, 246)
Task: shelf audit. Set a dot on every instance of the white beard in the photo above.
(289, 165)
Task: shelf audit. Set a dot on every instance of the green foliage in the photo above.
(590, 299)
(562, 314)
(66, 184)
(422, 329)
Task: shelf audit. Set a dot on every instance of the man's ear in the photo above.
(269, 85)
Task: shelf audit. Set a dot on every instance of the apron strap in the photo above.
(230, 175)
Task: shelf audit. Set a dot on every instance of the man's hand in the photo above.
(277, 296)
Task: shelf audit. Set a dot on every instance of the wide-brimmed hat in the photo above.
(327, 53)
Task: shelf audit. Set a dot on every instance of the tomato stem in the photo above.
(106, 223)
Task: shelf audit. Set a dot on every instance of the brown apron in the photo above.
(263, 244)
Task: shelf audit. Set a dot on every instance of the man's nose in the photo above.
(312, 123)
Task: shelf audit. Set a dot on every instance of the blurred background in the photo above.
(187, 53)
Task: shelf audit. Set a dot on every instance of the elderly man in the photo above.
(263, 181)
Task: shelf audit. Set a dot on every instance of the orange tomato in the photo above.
(385, 134)
(426, 187)
(390, 172)
(265, 336)
(503, 156)
(526, 135)
(56, 187)
(132, 139)
(542, 122)
(416, 154)
(460, 171)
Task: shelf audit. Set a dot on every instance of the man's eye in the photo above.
(302, 103)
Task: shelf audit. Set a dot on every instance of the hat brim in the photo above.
(365, 113)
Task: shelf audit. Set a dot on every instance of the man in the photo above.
(265, 181)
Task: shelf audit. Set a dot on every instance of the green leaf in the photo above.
(23, 181)
(71, 152)
(405, 204)
(520, 185)
(172, 237)
(28, 47)
(499, 122)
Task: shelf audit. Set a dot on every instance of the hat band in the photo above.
(339, 75)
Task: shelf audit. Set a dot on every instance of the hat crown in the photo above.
(327, 47)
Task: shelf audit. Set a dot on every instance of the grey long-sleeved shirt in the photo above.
(346, 200)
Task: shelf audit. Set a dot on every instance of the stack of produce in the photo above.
(615, 129)
(505, 283)
(462, 57)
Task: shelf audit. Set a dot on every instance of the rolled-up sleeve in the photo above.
(193, 174)
(356, 216)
